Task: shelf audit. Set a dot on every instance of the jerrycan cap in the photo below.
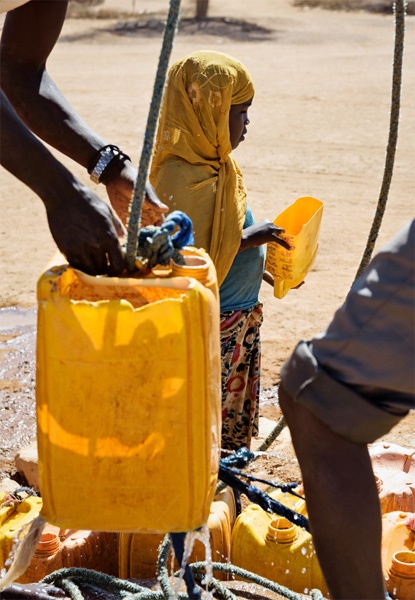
(403, 564)
(281, 531)
(49, 544)
(195, 266)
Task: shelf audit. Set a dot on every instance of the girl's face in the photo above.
(238, 120)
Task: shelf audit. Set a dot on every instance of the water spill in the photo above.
(17, 382)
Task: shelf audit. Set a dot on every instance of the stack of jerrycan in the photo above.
(271, 546)
(394, 468)
(139, 551)
(128, 397)
(56, 548)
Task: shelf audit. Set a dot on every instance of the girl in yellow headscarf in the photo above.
(204, 117)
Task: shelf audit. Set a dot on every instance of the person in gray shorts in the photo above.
(342, 390)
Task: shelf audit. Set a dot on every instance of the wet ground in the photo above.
(17, 383)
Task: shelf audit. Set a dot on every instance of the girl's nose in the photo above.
(247, 121)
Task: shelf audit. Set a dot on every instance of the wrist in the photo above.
(107, 163)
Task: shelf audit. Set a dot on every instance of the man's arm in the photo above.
(29, 35)
(81, 224)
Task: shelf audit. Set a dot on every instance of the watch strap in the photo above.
(104, 160)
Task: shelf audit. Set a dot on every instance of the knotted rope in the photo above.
(158, 245)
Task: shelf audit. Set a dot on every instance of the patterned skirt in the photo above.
(241, 366)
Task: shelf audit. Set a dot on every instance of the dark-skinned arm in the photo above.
(261, 233)
(29, 35)
(82, 225)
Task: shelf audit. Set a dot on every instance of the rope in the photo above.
(143, 168)
(70, 580)
(158, 245)
(253, 578)
(399, 8)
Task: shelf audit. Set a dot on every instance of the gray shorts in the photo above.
(358, 375)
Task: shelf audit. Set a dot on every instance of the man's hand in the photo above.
(86, 232)
(120, 190)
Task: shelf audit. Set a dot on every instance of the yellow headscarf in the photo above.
(192, 169)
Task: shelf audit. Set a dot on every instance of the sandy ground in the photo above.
(319, 127)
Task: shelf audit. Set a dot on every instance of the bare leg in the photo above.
(342, 503)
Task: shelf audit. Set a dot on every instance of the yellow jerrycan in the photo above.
(128, 398)
(398, 554)
(60, 548)
(394, 469)
(139, 551)
(15, 514)
(301, 221)
(274, 548)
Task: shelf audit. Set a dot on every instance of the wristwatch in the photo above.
(106, 155)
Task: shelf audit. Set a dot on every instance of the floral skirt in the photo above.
(241, 366)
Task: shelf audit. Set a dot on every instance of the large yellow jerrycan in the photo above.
(14, 515)
(394, 469)
(398, 554)
(128, 398)
(274, 548)
(301, 221)
(139, 551)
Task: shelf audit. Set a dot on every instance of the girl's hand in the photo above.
(262, 233)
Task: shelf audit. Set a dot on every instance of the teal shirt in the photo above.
(241, 286)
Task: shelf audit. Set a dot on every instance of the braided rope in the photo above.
(143, 168)
(257, 579)
(399, 8)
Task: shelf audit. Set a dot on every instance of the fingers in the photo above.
(100, 262)
(282, 243)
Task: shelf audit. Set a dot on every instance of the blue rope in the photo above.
(143, 168)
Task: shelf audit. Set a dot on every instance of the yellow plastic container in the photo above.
(394, 468)
(128, 400)
(59, 548)
(13, 516)
(398, 555)
(274, 548)
(301, 221)
(139, 551)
